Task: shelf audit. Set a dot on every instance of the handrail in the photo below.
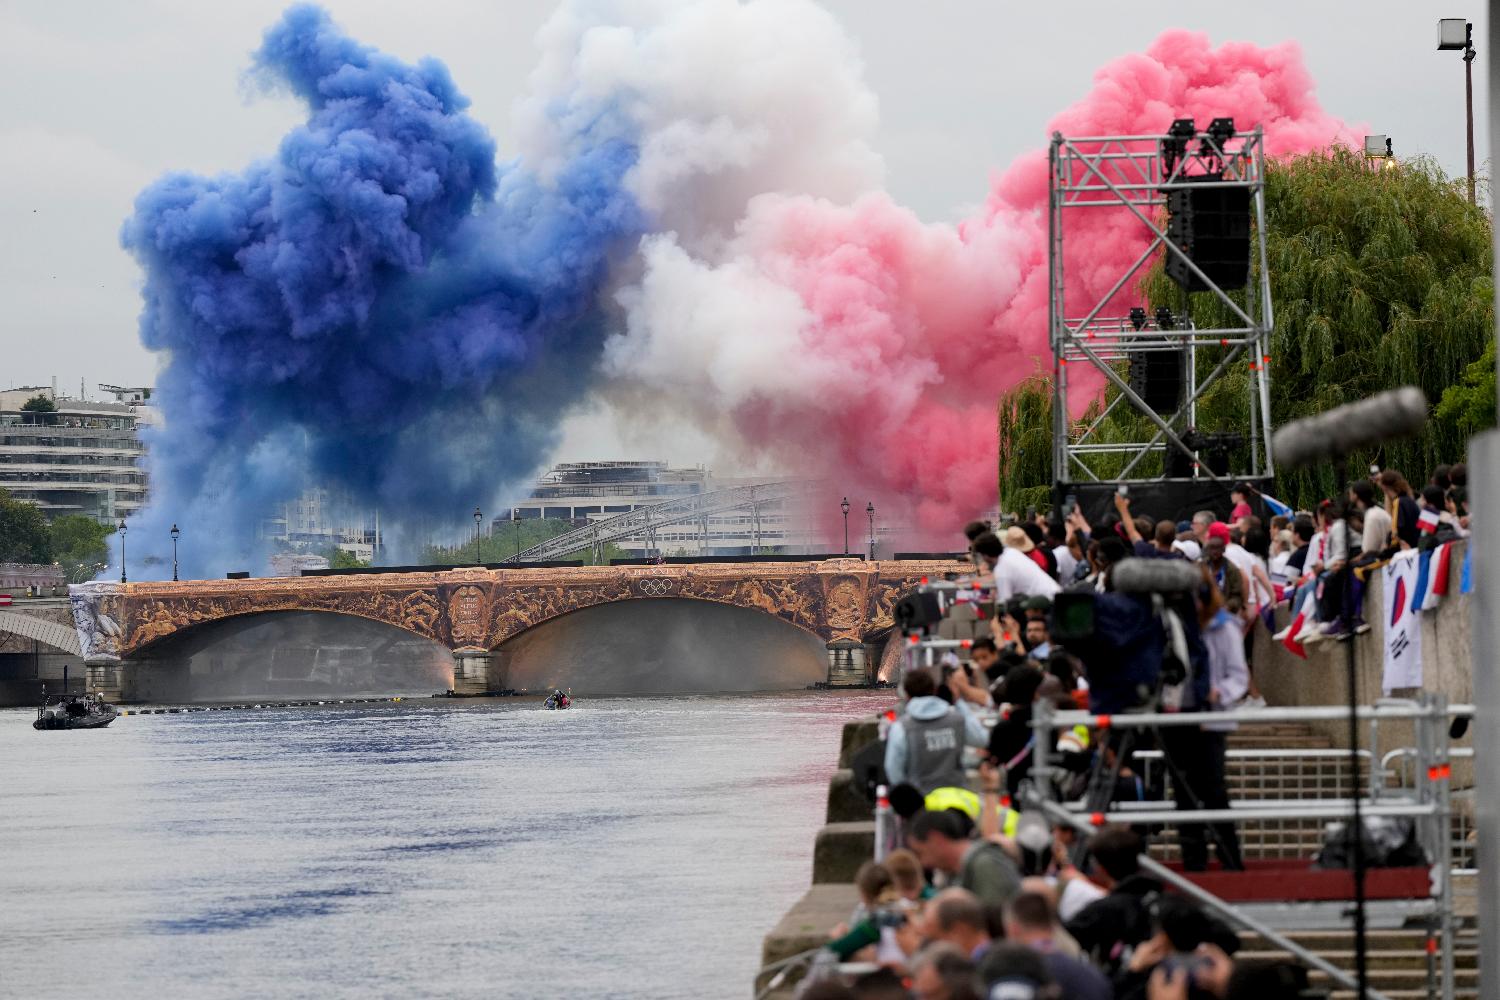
(1190, 888)
(662, 514)
(1245, 716)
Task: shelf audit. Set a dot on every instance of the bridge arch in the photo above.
(50, 633)
(666, 645)
(289, 653)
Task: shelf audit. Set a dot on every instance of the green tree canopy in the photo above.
(342, 558)
(24, 536)
(80, 545)
(1378, 279)
(39, 404)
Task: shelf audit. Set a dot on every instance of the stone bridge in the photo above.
(847, 603)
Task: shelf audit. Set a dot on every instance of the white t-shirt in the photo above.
(1066, 564)
(1016, 573)
(1246, 561)
(1377, 529)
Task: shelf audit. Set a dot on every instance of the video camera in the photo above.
(1137, 638)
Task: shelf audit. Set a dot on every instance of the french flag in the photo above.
(1437, 581)
(1304, 613)
(1427, 521)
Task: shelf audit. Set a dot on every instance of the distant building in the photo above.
(38, 578)
(321, 519)
(586, 491)
(82, 458)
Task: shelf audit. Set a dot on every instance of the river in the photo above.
(629, 847)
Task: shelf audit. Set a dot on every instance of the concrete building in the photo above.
(81, 458)
(321, 519)
(583, 491)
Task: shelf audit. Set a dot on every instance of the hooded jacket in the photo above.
(925, 746)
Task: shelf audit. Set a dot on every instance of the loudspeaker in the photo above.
(1157, 376)
(1212, 226)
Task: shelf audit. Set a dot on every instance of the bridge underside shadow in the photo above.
(663, 646)
(287, 654)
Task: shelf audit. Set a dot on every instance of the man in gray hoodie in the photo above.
(925, 747)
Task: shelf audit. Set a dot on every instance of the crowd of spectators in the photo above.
(976, 903)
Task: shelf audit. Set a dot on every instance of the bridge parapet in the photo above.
(475, 610)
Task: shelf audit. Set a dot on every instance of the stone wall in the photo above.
(1447, 668)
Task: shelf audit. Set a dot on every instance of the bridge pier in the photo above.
(477, 672)
(850, 664)
(104, 678)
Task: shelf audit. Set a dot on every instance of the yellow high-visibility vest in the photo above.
(967, 802)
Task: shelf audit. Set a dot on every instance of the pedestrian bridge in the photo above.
(475, 612)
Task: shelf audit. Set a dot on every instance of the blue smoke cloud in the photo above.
(378, 309)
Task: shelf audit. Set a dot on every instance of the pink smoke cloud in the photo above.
(911, 331)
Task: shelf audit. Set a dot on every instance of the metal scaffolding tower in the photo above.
(1132, 179)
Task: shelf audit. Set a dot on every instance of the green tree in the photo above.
(80, 545)
(24, 536)
(1378, 278)
(342, 558)
(1470, 405)
(39, 404)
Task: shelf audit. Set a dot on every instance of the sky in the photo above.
(102, 98)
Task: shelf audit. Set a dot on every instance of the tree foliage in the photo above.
(80, 545)
(342, 558)
(39, 404)
(1378, 279)
(24, 535)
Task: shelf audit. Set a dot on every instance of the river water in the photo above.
(628, 847)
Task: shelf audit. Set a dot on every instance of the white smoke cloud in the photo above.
(727, 100)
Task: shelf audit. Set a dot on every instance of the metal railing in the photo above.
(1428, 803)
(649, 519)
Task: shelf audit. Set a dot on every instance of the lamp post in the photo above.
(870, 510)
(1457, 34)
(515, 530)
(121, 530)
(477, 518)
(845, 508)
(175, 533)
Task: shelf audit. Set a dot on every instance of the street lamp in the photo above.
(870, 510)
(121, 530)
(845, 508)
(175, 533)
(1457, 34)
(515, 530)
(477, 518)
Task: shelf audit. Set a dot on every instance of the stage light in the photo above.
(1165, 319)
(1138, 317)
(1174, 146)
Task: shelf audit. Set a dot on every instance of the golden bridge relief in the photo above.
(477, 610)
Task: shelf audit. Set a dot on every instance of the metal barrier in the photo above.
(1429, 803)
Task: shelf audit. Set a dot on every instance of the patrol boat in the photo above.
(74, 711)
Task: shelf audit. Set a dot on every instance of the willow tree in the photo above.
(1379, 278)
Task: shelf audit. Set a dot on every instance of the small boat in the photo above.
(74, 711)
(558, 699)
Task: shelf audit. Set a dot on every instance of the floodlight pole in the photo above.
(1469, 101)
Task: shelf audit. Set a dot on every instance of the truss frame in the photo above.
(1131, 172)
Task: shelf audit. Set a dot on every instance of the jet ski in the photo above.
(558, 699)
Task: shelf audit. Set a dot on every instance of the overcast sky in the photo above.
(100, 98)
